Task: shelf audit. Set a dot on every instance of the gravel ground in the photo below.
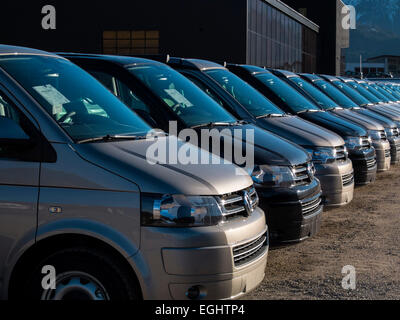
(364, 234)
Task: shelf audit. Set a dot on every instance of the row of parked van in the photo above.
(79, 198)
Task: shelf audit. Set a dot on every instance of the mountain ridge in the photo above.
(378, 29)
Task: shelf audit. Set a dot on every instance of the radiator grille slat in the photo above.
(348, 179)
(250, 251)
(311, 206)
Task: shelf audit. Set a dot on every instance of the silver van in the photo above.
(85, 216)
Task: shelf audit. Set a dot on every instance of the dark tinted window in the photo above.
(247, 96)
(383, 92)
(322, 99)
(358, 98)
(79, 103)
(377, 94)
(16, 150)
(337, 95)
(363, 91)
(294, 99)
(391, 91)
(182, 96)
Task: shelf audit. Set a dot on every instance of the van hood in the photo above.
(338, 125)
(301, 132)
(358, 119)
(386, 110)
(127, 159)
(386, 121)
(271, 149)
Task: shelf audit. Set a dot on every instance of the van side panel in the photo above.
(88, 212)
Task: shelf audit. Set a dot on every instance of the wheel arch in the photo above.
(49, 245)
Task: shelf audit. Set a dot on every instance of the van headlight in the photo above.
(389, 132)
(375, 135)
(322, 155)
(353, 143)
(179, 211)
(273, 176)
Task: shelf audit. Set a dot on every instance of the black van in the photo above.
(290, 100)
(284, 174)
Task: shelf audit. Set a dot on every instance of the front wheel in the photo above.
(81, 274)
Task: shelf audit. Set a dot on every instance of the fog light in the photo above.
(196, 293)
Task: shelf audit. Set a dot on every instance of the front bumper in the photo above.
(383, 158)
(364, 164)
(171, 261)
(395, 149)
(293, 215)
(337, 182)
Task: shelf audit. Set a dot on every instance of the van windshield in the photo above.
(350, 91)
(364, 92)
(322, 99)
(335, 94)
(290, 96)
(391, 91)
(79, 103)
(248, 97)
(187, 101)
(377, 94)
(387, 96)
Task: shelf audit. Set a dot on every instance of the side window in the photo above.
(130, 99)
(119, 89)
(205, 88)
(107, 80)
(17, 133)
(126, 95)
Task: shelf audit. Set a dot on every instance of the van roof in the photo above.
(194, 63)
(6, 50)
(120, 60)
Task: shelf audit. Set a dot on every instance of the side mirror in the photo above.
(11, 132)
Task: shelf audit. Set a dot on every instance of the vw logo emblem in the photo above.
(247, 203)
(311, 170)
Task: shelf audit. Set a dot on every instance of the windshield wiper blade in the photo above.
(271, 115)
(307, 111)
(214, 124)
(109, 138)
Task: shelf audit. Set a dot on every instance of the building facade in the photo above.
(367, 67)
(391, 64)
(280, 37)
(260, 32)
(333, 38)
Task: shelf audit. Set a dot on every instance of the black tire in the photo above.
(113, 276)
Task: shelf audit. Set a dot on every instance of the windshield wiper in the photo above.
(334, 108)
(216, 124)
(271, 115)
(307, 111)
(110, 138)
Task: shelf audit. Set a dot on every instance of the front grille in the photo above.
(233, 204)
(396, 132)
(383, 135)
(250, 251)
(302, 175)
(371, 163)
(341, 154)
(311, 206)
(365, 144)
(348, 179)
(387, 153)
